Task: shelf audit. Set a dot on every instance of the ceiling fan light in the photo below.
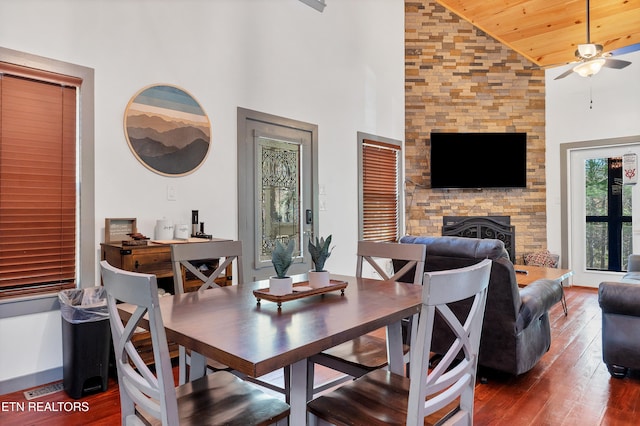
(589, 68)
(587, 50)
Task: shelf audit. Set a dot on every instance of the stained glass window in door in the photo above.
(279, 195)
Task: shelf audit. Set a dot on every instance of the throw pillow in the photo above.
(541, 258)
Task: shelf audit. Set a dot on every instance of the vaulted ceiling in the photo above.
(547, 32)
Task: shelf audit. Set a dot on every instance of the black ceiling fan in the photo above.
(591, 59)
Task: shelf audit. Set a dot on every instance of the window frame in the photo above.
(85, 252)
(363, 139)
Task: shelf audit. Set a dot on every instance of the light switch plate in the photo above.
(171, 193)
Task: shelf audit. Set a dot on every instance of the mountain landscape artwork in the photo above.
(167, 130)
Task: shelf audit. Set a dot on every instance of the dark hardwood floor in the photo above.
(569, 386)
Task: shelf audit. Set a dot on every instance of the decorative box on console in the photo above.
(117, 230)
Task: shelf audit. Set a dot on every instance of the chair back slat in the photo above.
(186, 254)
(430, 394)
(154, 393)
(373, 252)
(452, 377)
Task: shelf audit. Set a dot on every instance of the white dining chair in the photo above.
(150, 396)
(189, 257)
(186, 258)
(444, 393)
(369, 352)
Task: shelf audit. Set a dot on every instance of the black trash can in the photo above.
(86, 340)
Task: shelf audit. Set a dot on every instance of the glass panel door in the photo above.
(608, 237)
(278, 193)
(277, 190)
(590, 191)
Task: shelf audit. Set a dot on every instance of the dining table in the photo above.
(256, 337)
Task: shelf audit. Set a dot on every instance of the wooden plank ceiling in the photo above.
(547, 32)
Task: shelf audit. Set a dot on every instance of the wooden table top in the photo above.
(151, 244)
(540, 272)
(228, 325)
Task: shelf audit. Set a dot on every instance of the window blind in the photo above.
(380, 191)
(37, 186)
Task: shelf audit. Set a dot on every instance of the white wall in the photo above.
(571, 117)
(28, 339)
(342, 69)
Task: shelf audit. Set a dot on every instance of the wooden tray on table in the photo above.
(300, 290)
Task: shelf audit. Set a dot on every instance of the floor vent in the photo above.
(44, 390)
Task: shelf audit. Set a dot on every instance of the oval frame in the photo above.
(167, 130)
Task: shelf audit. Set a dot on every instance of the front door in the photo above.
(601, 233)
(277, 197)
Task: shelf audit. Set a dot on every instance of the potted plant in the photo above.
(281, 257)
(319, 252)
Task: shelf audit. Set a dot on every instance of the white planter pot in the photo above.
(318, 279)
(280, 286)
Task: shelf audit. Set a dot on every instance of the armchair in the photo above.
(516, 330)
(620, 304)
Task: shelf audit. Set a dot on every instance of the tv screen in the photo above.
(478, 160)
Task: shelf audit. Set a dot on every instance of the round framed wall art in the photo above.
(167, 130)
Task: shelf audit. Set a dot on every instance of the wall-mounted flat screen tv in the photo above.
(478, 160)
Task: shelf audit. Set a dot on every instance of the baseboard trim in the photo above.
(30, 380)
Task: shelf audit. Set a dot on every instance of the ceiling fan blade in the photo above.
(616, 63)
(559, 64)
(564, 74)
(626, 49)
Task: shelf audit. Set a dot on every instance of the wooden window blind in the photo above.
(380, 216)
(37, 186)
